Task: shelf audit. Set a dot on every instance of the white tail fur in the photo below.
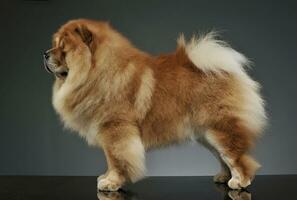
(212, 55)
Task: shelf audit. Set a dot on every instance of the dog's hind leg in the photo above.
(232, 141)
(224, 175)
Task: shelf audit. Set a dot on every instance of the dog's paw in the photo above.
(105, 184)
(236, 183)
(221, 178)
(101, 177)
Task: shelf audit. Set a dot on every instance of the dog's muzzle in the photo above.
(59, 71)
(46, 56)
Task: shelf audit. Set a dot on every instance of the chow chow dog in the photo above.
(127, 101)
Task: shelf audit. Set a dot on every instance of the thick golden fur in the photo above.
(127, 101)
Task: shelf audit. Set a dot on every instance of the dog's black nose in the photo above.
(46, 55)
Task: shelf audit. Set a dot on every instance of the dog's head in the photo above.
(73, 46)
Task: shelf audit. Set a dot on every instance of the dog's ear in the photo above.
(85, 34)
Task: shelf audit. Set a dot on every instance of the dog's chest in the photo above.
(74, 119)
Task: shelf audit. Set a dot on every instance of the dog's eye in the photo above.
(76, 30)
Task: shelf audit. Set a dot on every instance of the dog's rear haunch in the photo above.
(126, 101)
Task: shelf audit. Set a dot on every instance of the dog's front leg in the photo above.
(124, 153)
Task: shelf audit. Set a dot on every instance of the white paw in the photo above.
(105, 184)
(236, 183)
(245, 183)
(101, 177)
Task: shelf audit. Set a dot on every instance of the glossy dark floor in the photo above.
(154, 188)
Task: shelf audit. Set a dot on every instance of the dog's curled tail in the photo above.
(214, 56)
(210, 54)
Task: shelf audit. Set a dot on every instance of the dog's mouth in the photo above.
(59, 71)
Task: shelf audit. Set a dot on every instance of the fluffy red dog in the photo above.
(126, 101)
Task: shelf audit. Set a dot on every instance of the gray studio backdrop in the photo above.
(32, 141)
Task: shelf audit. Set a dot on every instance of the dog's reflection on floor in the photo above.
(227, 194)
(119, 195)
